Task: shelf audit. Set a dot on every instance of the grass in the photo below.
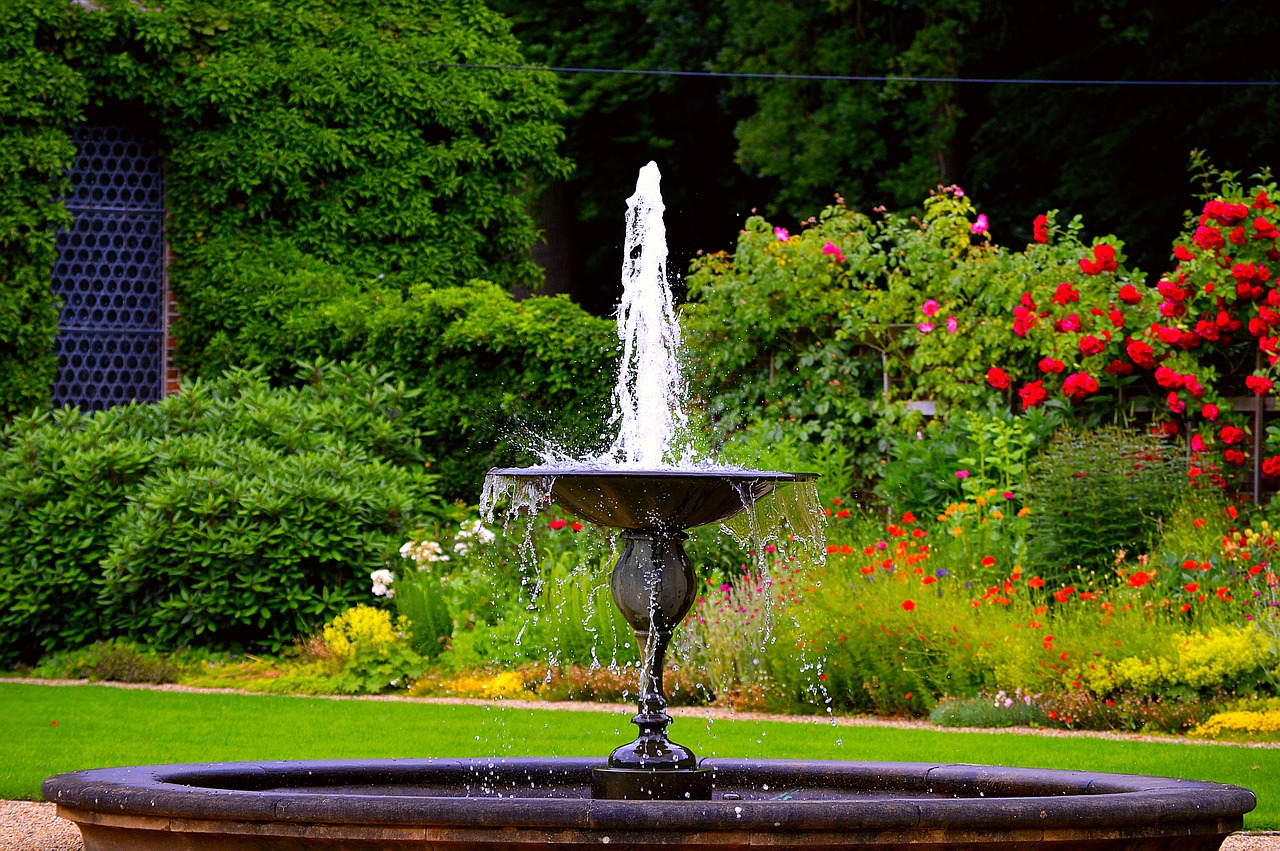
(102, 726)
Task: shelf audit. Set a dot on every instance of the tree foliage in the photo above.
(338, 135)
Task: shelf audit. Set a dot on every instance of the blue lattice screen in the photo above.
(110, 274)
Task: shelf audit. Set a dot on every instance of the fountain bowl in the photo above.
(649, 499)
(515, 803)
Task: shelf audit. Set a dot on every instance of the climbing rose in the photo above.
(1119, 368)
(1176, 404)
(1140, 353)
(1040, 229)
(1079, 386)
(1129, 294)
(1271, 467)
(1235, 457)
(980, 226)
(952, 325)
(1231, 435)
(1210, 411)
(997, 378)
(1033, 394)
(1068, 324)
(929, 308)
(1258, 384)
(1197, 443)
(781, 234)
(832, 249)
(1090, 345)
(1052, 365)
(1065, 294)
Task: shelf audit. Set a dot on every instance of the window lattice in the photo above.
(110, 274)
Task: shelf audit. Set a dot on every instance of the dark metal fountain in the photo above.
(654, 586)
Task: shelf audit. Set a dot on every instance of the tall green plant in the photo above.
(1096, 492)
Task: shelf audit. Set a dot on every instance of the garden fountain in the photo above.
(652, 791)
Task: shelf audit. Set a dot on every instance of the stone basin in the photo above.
(516, 803)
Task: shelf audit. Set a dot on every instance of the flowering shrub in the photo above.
(373, 653)
(1241, 724)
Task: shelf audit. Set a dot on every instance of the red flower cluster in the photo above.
(998, 378)
(1033, 394)
(1040, 229)
(1079, 386)
(1104, 260)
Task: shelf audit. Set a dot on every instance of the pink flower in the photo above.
(980, 226)
(1197, 443)
(925, 327)
(952, 325)
(781, 234)
(832, 249)
(929, 308)
(962, 474)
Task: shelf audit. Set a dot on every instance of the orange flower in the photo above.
(929, 580)
(1139, 578)
(1040, 610)
(1087, 595)
(918, 533)
(1186, 607)
(1062, 594)
(908, 517)
(846, 550)
(1191, 587)
(1035, 582)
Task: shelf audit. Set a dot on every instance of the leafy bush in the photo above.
(1094, 493)
(229, 513)
(374, 654)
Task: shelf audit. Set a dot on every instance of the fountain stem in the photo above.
(654, 586)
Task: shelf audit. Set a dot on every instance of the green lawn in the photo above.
(100, 726)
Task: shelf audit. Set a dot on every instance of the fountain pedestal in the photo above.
(654, 586)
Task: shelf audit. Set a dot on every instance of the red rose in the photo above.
(1129, 294)
(998, 378)
(1119, 368)
(1258, 384)
(1065, 294)
(1051, 365)
(1210, 411)
(1166, 377)
(1033, 394)
(1235, 457)
(1231, 435)
(1271, 467)
(1090, 345)
(1079, 386)
(1182, 253)
(1208, 238)
(1068, 324)
(1175, 403)
(1040, 229)
(1140, 353)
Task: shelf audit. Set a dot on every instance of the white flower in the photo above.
(382, 580)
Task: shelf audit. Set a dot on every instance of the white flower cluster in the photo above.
(382, 580)
(423, 553)
(471, 534)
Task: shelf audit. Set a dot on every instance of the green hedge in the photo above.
(230, 513)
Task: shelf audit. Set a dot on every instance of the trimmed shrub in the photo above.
(229, 513)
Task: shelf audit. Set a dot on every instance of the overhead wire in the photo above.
(854, 78)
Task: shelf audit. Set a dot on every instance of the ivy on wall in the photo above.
(332, 134)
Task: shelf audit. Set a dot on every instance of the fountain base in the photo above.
(528, 802)
(638, 784)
